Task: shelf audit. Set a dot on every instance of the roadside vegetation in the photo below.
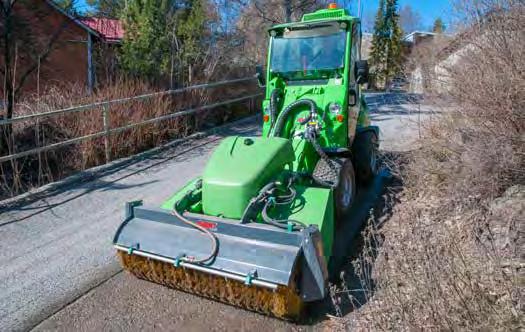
(167, 44)
(38, 169)
(451, 255)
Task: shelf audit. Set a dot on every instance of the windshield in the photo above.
(322, 52)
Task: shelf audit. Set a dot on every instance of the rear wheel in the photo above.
(345, 191)
(365, 151)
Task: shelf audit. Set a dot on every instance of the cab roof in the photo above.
(320, 16)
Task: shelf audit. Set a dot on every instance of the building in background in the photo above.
(55, 48)
(417, 37)
(105, 46)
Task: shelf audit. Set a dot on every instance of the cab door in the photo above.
(354, 92)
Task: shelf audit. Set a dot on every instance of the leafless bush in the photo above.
(452, 254)
(21, 174)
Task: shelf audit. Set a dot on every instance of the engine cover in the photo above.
(238, 169)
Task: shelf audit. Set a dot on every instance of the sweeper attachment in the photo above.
(256, 230)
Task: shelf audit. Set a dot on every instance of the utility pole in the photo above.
(287, 4)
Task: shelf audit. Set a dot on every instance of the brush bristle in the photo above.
(282, 303)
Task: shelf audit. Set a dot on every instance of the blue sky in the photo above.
(429, 9)
(81, 5)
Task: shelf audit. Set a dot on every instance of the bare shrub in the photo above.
(34, 170)
(451, 258)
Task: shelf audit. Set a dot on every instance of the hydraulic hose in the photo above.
(282, 223)
(274, 101)
(213, 238)
(311, 137)
(268, 196)
(281, 119)
(254, 206)
(286, 199)
(310, 134)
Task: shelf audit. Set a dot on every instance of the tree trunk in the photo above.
(287, 4)
(7, 129)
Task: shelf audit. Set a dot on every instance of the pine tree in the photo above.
(377, 53)
(386, 53)
(439, 26)
(107, 8)
(145, 47)
(67, 5)
(163, 38)
(190, 30)
(394, 45)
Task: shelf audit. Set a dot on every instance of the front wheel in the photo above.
(345, 191)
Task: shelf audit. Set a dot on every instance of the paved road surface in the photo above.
(58, 267)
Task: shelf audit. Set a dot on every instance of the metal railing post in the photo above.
(37, 137)
(107, 130)
(107, 144)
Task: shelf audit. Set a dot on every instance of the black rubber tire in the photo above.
(365, 154)
(346, 182)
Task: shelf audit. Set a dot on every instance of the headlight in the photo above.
(334, 108)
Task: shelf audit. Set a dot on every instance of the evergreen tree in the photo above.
(145, 47)
(386, 52)
(190, 31)
(67, 5)
(377, 53)
(108, 8)
(163, 38)
(394, 45)
(439, 26)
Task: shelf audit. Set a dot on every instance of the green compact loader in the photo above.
(256, 230)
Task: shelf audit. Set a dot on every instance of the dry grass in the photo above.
(36, 170)
(451, 256)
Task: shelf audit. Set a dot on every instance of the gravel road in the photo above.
(59, 270)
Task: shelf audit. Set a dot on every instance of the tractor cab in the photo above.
(318, 59)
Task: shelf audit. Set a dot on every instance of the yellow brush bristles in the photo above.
(283, 303)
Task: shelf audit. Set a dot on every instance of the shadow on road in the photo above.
(91, 181)
(393, 98)
(396, 104)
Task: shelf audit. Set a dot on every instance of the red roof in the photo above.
(111, 30)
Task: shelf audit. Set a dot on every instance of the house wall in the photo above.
(39, 27)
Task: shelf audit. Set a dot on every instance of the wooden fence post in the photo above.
(107, 144)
